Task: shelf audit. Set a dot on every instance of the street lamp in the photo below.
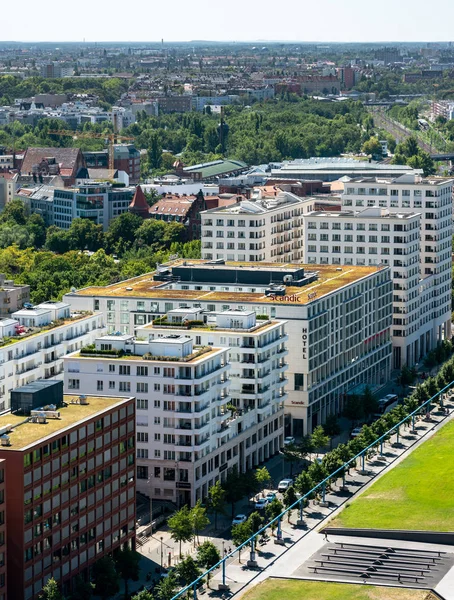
(151, 504)
(162, 550)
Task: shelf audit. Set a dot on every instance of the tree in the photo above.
(216, 499)
(255, 520)
(241, 533)
(154, 152)
(262, 477)
(353, 408)
(121, 233)
(291, 455)
(319, 438)
(317, 472)
(85, 235)
(273, 510)
(199, 519)
(306, 446)
(303, 483)
(14, 211)
(105, 578)
(166, 588)
(332, 428)
(370, 402)
(37, 228)
(236, 485)
(208, 555)
(127, 562)
(187, 571)
(143, 595)
(180, 526)
(57, 240)
(372, 146)
(51, 591)
(290, 498)
(82, 590)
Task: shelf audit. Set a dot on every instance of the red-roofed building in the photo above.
(65, 162)
(139, 205)
(182, 209)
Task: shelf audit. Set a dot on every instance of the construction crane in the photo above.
(111, 137)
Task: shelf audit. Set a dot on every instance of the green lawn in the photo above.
(277, 589)
(416, 494)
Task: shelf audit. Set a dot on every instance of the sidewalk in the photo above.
(302, 542)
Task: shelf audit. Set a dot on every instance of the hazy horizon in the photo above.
(328, 21)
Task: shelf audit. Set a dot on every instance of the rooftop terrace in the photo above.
(28, 433)
(330, 278)
(34, 331)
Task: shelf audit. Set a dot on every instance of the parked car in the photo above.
(355, 432)
(261, 503)
(270, 496)
(284, 485)
(239, 519)
(289, 440)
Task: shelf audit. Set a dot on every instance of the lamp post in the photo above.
(151, 505)
(162, 550)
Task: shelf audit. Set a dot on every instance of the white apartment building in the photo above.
(339, 320)
(265, 228)
(432, 198)
(34, 341)
(187, 438)
(375, 236)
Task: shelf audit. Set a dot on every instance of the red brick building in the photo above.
(3, 533)
(65, 162)
(70, 491)
(182, 208)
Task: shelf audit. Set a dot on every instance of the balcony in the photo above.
(27, 369)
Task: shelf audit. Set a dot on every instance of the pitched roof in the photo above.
(139, 202)
(173, 206)
(66, 158)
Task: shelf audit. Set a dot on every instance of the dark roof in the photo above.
(67, 158)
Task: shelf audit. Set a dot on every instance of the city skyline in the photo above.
(249, 22)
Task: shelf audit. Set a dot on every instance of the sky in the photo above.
(234, 20)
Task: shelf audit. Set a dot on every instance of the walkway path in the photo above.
(301, 543)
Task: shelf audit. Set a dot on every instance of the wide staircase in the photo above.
(355, 561)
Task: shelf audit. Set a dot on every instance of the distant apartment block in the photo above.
(126, 158)
(54, 70)
(268, 227)
(12, 296)
(404, 223)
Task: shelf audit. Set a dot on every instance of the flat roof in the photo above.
(330, 278)
(53, 325)
(259, 327)
(31, 312)
(366, 213)
(199, 354)
(30, 433)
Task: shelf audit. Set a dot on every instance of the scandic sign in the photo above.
(292, 298)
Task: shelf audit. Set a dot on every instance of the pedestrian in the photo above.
(325, 536)
(230, 550)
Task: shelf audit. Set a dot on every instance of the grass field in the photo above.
(277, 589)
(416, 494)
